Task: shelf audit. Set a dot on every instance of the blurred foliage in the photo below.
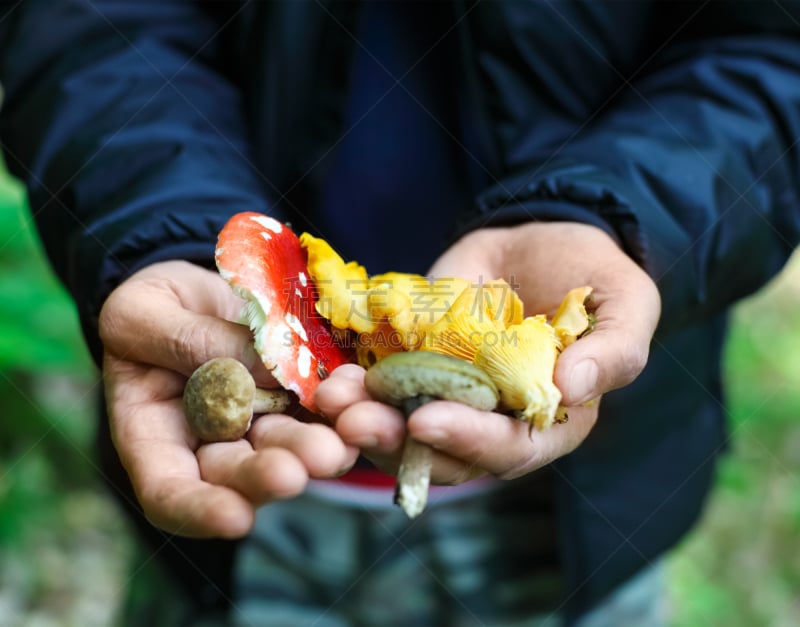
(54, 519)
(739, 568)
(39, 346)
(37, 321)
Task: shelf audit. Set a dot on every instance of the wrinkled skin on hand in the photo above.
(157, 327)
(543, 261)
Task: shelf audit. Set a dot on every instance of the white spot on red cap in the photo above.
(268, 223)
(296, 326)
(304, 361)
(303, 279)
(227, 275)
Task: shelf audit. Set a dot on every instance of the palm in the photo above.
(544, 261)
(157, 327)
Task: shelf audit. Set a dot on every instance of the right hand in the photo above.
(157, 327)
(546, 259)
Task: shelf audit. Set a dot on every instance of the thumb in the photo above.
(609, 357)
(168, 315)
(597, 364)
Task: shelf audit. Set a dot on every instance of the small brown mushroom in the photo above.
(220, 398)
(408, 381)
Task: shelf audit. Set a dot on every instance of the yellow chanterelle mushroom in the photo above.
(342, 287)
(481, 312)
(571, 319)
(478, 322)
(520, 363)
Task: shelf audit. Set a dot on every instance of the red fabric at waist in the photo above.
(367, 477)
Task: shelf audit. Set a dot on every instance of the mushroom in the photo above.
(521, 363)
(409, 380)
(220, 398)
(571, 320)
(343, 287)
(519, 355)
(523, 358)
(264, 264)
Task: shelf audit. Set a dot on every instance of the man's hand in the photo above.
(157, 327)
(543, 261)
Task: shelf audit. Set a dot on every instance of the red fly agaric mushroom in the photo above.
(264, 264)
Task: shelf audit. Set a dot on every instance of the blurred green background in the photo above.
(66, 557)
(64, 549)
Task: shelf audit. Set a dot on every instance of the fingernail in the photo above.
(341, 472)
(366, 441)
(434, 436)
(250, 357)
(583, 382)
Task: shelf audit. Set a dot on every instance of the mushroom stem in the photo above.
(270, 401)
(414, 473)
(413, 477)
(411, 379)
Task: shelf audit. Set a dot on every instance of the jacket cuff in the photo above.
(112, 257)
(644, 228)
(586, 194)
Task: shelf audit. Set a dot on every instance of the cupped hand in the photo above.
(542, 261)
(157, 327)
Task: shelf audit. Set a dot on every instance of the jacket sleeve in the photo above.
(131, 140)
(692, 164)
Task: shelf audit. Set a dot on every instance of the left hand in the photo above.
(543, 261)
(157, 327)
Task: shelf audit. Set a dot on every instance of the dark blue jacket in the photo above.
(139, 127)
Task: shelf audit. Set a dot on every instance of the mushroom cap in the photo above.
(571, 320)
(264, 263)
(521, 364)
(343, 287)
(460, 333)
(402, 376)
(218, 400)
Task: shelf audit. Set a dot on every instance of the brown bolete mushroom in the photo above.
(220, 398)
(408, 381)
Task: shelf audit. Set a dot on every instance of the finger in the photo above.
(197, 289)
(498, 444)
(190, 507)
(148, 319)
(343, 388)
(350, 371)
(260, 476)
(319, 448)
(448, 470)
(377, 429)
(616, 351)
(380, 433)
(156, 450)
